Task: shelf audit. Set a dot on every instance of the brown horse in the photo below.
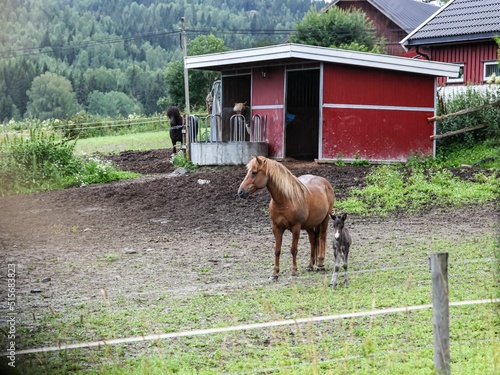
(297, 203)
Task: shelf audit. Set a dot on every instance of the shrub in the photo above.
(489, 116)
(40, 162)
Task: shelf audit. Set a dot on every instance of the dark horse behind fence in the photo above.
(175, 118)
(296, 203)
(341, 243)
(176, 122)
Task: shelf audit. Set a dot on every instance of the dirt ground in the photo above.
(186, 233)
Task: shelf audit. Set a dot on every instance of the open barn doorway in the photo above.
(235, 89)
(302, 114)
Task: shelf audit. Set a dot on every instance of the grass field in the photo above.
(383, 276)
(399, 343)
(118, 143)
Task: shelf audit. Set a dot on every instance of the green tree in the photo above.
(51, 96)
(200, 82)
(112, 104)
(336, 28)
(8, 109)
(103, 80)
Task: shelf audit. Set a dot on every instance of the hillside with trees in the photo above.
(100, 52)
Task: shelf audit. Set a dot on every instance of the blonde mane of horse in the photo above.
(288, 184)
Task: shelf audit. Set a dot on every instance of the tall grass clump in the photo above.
(392, 188)
(180, 160)
(40, 162)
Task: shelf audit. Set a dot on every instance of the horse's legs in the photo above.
(333, 282)
(314, 249)
(295, 248)
(278, 239)
(321, 242)
(346, 255)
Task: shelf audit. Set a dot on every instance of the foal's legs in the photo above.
(336, 250)
(345, 255)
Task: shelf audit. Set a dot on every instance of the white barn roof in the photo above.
(300, 53)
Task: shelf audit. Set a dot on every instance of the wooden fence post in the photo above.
(440, 312)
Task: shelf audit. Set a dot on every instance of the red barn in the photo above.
(329, 104)
(393, 20)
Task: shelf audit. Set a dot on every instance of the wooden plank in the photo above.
(464, 111)
(447, 134)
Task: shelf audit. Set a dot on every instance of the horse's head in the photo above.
(174, 115)
(338, 224)
(256, 177)
(240, 108)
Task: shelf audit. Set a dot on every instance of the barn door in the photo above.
(302, 114)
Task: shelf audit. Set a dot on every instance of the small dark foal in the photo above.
(341, 243)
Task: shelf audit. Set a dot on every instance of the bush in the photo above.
(471, 97)
(40, 162)
(34, 163)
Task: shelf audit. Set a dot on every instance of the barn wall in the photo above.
(268, 99)
(375, 114)
(384, 27)
(473, 56)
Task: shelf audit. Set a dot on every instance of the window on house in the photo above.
(460, 78)
(491, 67)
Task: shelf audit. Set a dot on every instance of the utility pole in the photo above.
(186, 87)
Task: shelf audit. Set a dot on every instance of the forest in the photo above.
(111, 55)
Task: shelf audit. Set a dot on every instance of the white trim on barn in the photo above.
(331, 55)
(379, 107)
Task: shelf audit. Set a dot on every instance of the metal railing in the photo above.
(256, 129)
(209, 129)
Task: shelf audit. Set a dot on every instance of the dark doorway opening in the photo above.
(235, 89)
(302, 114)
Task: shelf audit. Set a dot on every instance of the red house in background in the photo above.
(393, 19)
(462, 32)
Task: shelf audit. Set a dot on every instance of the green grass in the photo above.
(380, 278)
(391, 188)
(460, 155)
(118, 143)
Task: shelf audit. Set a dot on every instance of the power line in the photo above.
(27, 51)
(33, 50)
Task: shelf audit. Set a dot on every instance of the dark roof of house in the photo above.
(459, 21)
(407, 14)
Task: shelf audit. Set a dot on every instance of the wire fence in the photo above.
(424, 266)
(87, 129)
(308, 322)
(244, 327)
